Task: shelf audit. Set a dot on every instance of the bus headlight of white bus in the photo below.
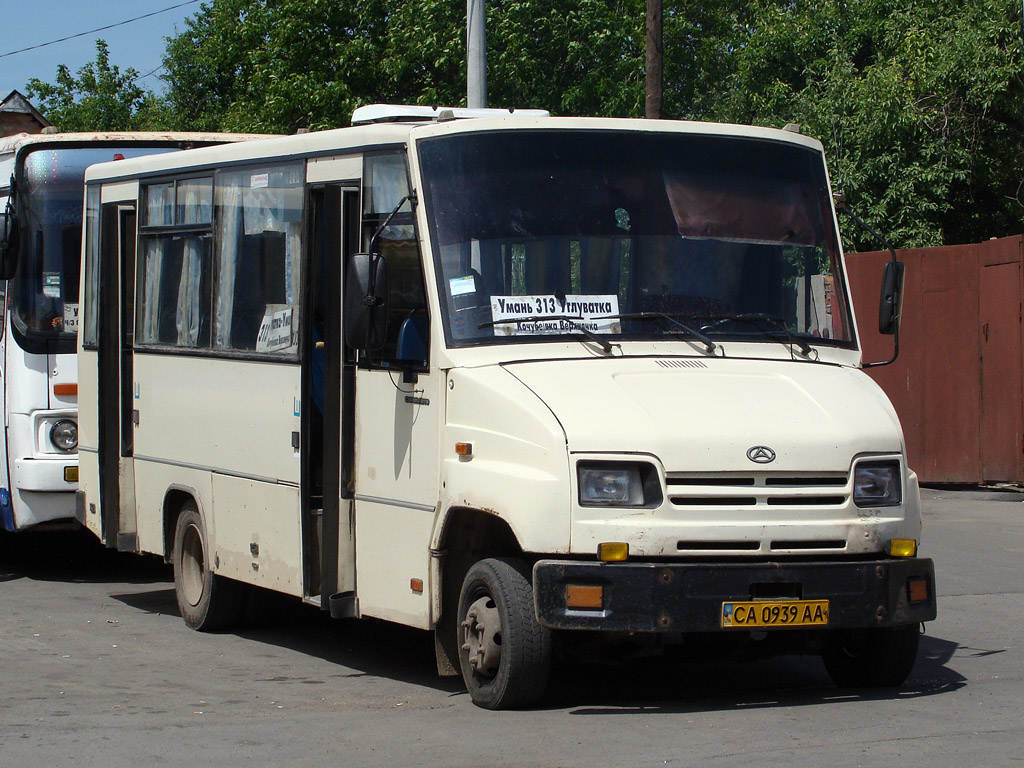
(618, 484)
(64, 435)
(877, 484)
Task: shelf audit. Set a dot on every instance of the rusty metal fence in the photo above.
(957, 385)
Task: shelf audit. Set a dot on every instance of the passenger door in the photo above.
(327, 416)
(115, 393)
(398, 413)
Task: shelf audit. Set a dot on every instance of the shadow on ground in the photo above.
(73, 556)
(374, 648)
(661, 684)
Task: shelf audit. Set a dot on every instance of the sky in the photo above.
(139, 44)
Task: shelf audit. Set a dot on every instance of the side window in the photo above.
(174, 308)
(385, 183)
(259, 257)
(91, 278)
(174, 273)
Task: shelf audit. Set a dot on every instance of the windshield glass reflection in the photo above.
(45, 288)
(540, 234)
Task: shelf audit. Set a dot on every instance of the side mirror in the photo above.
(891, 304)
(8, 244)
(366, 301)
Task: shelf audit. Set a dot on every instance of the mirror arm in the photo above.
(370, 300)
(887, 246)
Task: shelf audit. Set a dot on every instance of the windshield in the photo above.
(539, 234)
(44, 291)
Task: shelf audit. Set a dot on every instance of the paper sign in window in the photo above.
(276, 329)
(549, 314)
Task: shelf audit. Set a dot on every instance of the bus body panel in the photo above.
(157, 485)
(396, 490)
(201, 412)
(88, 441)
(255, 533)
(518, 470)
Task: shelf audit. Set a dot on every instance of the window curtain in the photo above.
(229, 229)
(155, 249)
(190, 285)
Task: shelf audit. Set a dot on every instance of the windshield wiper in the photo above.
(703, 339)
(571, 321)
(760, 317)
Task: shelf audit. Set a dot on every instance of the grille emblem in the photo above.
(761, 454)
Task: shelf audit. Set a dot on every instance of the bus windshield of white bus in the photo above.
(44, 290)
(632, 236)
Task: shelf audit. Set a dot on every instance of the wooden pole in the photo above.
(654, 60)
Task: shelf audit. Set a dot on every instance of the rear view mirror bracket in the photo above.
(890, 307)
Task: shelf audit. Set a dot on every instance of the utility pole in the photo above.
(476, 54)
(654, 60)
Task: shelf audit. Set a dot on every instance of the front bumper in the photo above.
(688, 597)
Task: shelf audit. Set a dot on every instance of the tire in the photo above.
(207, 602)
(504, 653)
(871, 658)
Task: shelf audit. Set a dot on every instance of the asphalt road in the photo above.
(97, 668)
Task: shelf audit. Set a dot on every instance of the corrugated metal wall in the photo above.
(957, 384)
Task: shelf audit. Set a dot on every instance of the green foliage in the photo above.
(918, 102)
(279, 65)
(100, 98)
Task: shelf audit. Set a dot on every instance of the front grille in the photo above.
(758, 490)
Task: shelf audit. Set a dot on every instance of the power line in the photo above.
(99, 29)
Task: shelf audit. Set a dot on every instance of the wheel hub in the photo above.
(482, 634)
(192, 565)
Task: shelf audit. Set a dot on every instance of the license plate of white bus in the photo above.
(773, 614)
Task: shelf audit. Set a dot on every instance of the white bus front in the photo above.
(41, 193)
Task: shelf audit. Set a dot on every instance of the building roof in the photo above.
(17, 103)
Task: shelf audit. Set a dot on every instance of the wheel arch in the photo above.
(467, 536)
(174, 501)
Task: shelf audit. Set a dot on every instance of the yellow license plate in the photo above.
(70, 474)
(761, 614)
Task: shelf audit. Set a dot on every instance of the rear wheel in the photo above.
(871, 658)
(504, 653)
(208, 602)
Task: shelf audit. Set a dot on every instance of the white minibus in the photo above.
(526, 382)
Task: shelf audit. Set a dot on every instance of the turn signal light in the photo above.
(613, 551)
(464, 449)
(902, 548)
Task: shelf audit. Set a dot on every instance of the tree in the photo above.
(918, 103)
(100, 98)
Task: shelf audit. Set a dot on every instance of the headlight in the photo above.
(877, 484)
(613, 484)
(64, 435)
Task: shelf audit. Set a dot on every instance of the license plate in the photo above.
(761, 614)
(70, 474)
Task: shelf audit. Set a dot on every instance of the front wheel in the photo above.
(207, 602)
(504, 652)
(871, 658)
